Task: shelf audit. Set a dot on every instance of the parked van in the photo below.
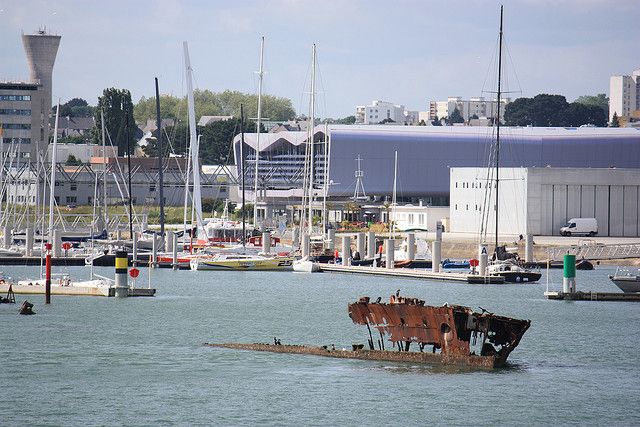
(580, 227)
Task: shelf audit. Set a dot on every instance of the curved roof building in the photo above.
(425, 154)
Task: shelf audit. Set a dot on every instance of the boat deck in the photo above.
(592, 296)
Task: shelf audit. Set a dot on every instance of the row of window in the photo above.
(15, 97)
(473, 185)
(14, 112)
(26, 126)
(467, 207)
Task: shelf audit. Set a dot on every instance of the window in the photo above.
(16, 126)
(467, 207)
(74, 186)
(152, 187)
(411, 219)
(456, 206)
(456, 185)
(71, 199)
(15, 97)
(421, 219)
(14, 112)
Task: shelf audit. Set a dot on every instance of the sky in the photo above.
(403, 51)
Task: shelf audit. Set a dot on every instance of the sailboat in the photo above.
(306, 265)
(508, 268)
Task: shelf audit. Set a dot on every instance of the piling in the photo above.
(6, 239)
(305, 245)
(154, 251)
(331, 239)
(569, 276)
(436, 255)
(57, 243)
(174, 245)
(29, 242)
(47, 277)
(389, 253)
(411, 246)
(266, 243)
(118, 234)
(168, 241)
(528, 248)
(371, 245)
(439, 231)
(135, 249)
(346, 250)
(483, 258)
(295, 236)
(122, 287)
(361, 244)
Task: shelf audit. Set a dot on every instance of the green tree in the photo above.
(456, 117)
(72, 161)
(436, 122)
(76, 107)
(422, 123)
(349, 120)
(117, 107)
(615, 120)
(207, 103)
(577, 114)
(600, 100)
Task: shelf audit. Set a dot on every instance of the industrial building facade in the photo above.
(541, 200)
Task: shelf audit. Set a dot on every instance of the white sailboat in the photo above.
(305, 265)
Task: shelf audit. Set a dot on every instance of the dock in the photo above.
(94, 291)
(412, 274)
(592, 296)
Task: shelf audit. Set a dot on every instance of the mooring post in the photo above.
(47, 276)
(154, 251)
(528, 248)
(436, 256)
(371, 245)
(6, 237)
(411, 246)
(174, 253)
(331, 239)
(346, 250)
(118, 234)
(135, 248)
(305, 246)
(390, 249)
(122, 264)
(29, 242)
(361, 244)
(57, 243)
(483, 258)
(168, 241)
(569, 276)
(295, 236)
(266, 243)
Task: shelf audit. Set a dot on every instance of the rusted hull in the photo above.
(483, 362)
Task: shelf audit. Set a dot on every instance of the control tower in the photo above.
(41, 49)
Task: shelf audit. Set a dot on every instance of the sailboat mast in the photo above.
(393, 197)
(52, 183)
(244, 233)
(104, 174)
(312, 112)
(498, 124)
(160, 155)
(255, 175)
(126, 135)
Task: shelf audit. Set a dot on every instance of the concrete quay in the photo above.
(592, 296)
(94, 291)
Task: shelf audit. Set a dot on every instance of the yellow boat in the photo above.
(242, 262)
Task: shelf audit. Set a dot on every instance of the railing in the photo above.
(596, 251)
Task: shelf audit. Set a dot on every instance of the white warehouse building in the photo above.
(541, 200)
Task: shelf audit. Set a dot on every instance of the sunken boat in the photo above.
(418, 333)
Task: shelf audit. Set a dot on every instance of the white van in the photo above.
(580, 226)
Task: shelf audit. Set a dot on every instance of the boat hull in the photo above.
(520, 276)
(267, 264)
(628, 285)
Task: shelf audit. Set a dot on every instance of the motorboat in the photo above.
(447, 263)
(512, 272)
(627, 279)
(305, 265)
(242, 262)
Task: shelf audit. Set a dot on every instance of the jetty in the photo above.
(94, 291)
(592, 296)
(412, 274)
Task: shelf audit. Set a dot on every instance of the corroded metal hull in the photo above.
(375, 355)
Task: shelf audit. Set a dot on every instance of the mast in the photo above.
(393, 197)
(255, 184)
(104, 175)
(326, 177)
(244, 234)
(52, 183)
(2, 183)
(498, 124)
(126, 135)
(312, 112)
(193, 145)
(160, 155)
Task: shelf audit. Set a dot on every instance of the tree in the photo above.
(76, 107)
(436, 122)
(117, 107)
(615, 120)
(600, 100)
(474, 117)
(349, 120)
(72, 161)
(387, 120)
(422, 123)
(207, 103)
(456, 117)
(552, 110)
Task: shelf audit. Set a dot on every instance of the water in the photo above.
(140, 361)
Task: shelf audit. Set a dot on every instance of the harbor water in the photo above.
(141, 361)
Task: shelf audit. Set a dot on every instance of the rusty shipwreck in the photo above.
(418, 333)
